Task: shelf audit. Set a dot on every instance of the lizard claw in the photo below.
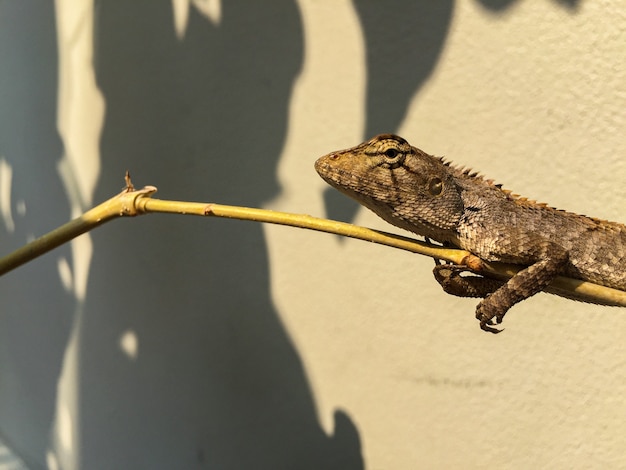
(485, 327)
(487, 322)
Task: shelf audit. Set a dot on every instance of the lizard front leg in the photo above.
(524, 284)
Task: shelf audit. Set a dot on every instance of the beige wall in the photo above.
(167, 342)
(532, 96)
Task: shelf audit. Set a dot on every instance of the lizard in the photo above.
(457, 207)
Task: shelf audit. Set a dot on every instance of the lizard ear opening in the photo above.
(435, 186)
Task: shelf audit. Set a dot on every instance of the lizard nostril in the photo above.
(333, 156)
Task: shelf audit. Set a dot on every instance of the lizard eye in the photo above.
(435, 186)
(391, 153)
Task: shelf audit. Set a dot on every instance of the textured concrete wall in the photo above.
(172, 342)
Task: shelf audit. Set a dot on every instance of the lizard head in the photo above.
(400, 183)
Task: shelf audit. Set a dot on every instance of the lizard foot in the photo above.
(486, 321)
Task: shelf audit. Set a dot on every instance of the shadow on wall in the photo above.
(215, 381)
(497, 5)
(403, 42)
(37, 312)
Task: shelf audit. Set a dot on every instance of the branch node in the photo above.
(133, 203)
(474, 263)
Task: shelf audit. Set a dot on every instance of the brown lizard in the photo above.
(457, 207)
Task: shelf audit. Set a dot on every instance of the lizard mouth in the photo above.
(351, 184)
(325, 169)
(337, 177)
